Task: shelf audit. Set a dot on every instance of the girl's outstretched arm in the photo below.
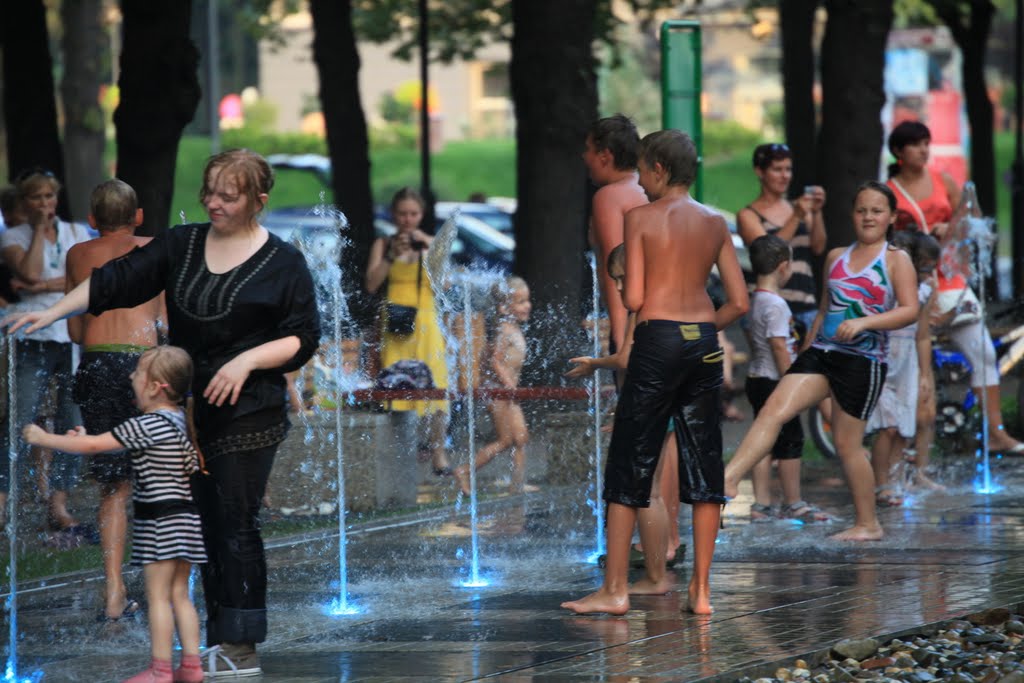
(75, 441)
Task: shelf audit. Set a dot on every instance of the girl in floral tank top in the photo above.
(854, 295)
(871, 290)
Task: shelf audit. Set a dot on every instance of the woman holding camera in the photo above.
(410, 329)
(799, 222)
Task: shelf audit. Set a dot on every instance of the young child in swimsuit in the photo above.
(167, 537)
(508, 352)
(870, 289)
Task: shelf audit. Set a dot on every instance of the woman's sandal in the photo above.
(761, 513)
(887, 497)
(804, 512)
(131, 610)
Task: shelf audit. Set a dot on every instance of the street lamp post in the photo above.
(1017, 196)
(213, 73)
(425, 182)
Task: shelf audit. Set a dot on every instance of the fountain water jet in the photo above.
(595, 408)
(474, 580)
(970, 252)
(323, 252)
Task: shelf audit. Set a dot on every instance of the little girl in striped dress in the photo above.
(167, 537)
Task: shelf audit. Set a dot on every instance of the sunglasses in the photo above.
(767, 153)
(34, 171)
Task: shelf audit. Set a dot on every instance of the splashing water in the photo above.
(323, 250)
(474, 580)
(969, 253)
(12, 518)
(596, 503)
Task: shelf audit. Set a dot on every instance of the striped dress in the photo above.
(166, 524)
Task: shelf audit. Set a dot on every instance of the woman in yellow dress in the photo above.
(399, 262)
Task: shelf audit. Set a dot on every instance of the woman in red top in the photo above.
(925, 200)
(924, 196)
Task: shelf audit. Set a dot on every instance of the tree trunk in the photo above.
(796, 18)
(87, 66)
(159, 93)
(554, 88)
(30, 112)
(851, 136)
(971, 34)
(337, 60)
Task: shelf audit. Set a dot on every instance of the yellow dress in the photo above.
(426, 342)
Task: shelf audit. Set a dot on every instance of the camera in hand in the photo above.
(418, 245)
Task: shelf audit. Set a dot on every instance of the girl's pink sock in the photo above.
(190, 670)
(159, 671)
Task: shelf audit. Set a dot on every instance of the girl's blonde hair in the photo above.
(172, 367)
(503, 290)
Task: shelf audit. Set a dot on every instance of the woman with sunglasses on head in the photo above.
(800, 224)
(36, 252)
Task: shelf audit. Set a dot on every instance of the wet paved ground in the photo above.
(779, 590)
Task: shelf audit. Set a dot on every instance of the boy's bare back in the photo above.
(121, 326)
(672, 243)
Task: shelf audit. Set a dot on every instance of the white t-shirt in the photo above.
(769, 317)
(55, 256)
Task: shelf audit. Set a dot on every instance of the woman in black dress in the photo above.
(242, 303)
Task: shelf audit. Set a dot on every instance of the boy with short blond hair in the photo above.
(675, 369)
(111, 345)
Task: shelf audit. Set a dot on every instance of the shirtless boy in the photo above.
(111, 345)
(675, 367)
(610, 157)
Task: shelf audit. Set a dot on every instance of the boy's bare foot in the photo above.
(670, 554)
(700, 599)
(462, 478)
(525, 488)
(732, 488)
(647, 587)
(600, 601)
(859, 533)
(924, 481)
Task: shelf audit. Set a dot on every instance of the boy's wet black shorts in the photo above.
(103, 392)
(675, 371)
(855, 381)
(790, 443)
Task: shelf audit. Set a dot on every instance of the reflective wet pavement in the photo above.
(779, 589)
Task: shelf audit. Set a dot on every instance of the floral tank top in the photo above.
(853, 295)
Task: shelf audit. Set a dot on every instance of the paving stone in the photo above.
(779, 591)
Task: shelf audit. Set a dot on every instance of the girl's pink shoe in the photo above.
(159, 671)
(190, 670)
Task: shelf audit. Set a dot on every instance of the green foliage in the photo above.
(269, 142)
(723, 139)
(625, 86)
(392, 135)
(260, 116)
(394, 111)
(729, 181)
(458, 28)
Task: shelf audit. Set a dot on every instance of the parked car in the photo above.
(476, 245)
(494, 216)
(316, 234)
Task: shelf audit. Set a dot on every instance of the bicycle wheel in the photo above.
(821, 433)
